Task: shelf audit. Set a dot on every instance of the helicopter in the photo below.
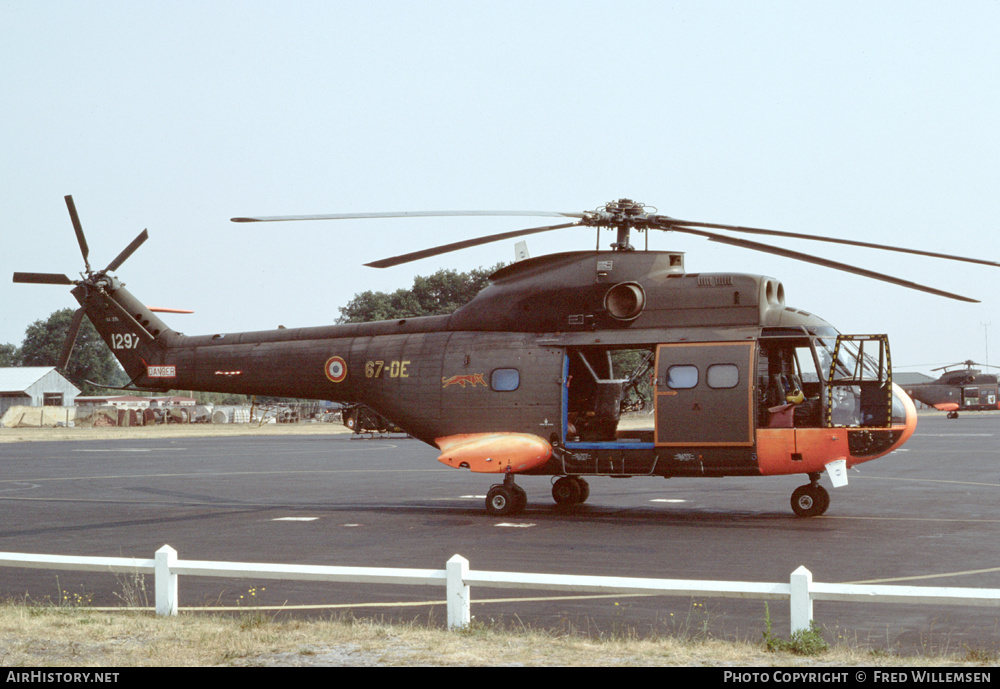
(530, 378)
(959, 389)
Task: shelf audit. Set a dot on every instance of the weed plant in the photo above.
(803, 642)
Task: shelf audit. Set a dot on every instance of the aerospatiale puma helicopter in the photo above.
(959, 389)
(531, 376)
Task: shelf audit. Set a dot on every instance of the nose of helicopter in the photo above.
(904, 415)
(903, 425)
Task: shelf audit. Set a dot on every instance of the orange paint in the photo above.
(163, 309)
(807, 450)
(494, 453)
(946, 406)
(473, 379)
(775, 447)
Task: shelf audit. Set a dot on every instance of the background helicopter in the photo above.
(959, 389)
(530, 377)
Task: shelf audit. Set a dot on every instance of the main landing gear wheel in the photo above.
(570, 490)
(810, 500)
(506, 499)
(953, 415)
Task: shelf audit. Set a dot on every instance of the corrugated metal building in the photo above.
(35, 386)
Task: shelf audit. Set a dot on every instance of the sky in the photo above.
(874, 121)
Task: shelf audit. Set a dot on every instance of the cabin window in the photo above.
(722, 376)
(682, 377)
(505, 379)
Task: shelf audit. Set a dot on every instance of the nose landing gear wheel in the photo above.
(810, 500)
(506, 499)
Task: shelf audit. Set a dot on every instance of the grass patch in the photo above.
(47, 635)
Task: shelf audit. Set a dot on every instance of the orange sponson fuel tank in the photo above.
(494, 453)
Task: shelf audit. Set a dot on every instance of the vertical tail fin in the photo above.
(133, 333)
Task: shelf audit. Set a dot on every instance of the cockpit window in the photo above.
(853, 362)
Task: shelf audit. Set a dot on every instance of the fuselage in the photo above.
(551, 350)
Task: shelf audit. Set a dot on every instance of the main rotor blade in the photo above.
(465, 244)
(78, 228)
(406, 214)
(43, 278)
(127, 251)
(74, 329)
(672, 222)
(787, 253)
(967, 364)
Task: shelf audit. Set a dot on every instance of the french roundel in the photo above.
(336, 369)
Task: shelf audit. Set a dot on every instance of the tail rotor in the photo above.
(89, 278)
(78, 228)
(43, 278)
(71, 335)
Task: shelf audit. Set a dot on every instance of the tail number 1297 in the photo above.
(124, 341)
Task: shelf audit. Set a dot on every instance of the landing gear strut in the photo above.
(810, 500)
(506, 499)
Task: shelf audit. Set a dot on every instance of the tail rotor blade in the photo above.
(43, 278)
(74, 329)
(128, 251)
(78, 228)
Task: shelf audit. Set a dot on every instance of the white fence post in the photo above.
(458, 593)
(801, 600)
(165, 581)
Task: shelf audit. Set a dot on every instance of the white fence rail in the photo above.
(458, 580)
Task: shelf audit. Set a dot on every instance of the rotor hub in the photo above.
(620, 213)
(623, 215)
